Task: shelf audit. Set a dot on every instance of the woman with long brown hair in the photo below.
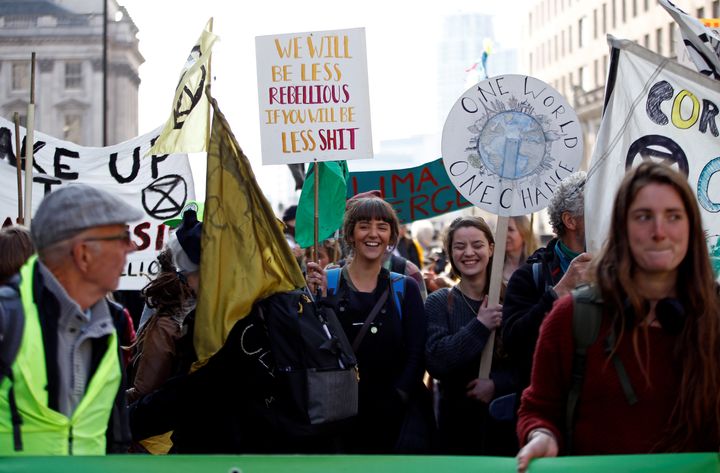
(460, 322)
(651, 381)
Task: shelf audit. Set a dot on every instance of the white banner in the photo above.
(656, 110)
(159, 185)
(313, 95)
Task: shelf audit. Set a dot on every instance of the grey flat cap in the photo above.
(64, 213)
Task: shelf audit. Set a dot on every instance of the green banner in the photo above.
(416, 193)
(667, 463)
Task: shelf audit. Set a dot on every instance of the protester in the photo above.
(409, 248)
(164, 345)
(551, 272)
(650, 381)
(288, 219)
(67, 396)
(390, 347)
(15, 248)
(520, 243)
(460, 322)
(328, 252)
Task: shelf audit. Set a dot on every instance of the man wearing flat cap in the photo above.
(64, 393)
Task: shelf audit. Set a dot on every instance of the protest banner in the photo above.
(659, 463)
(655, 109)
(313, 96)
(506, 144)
(159, 185)
(417, 193)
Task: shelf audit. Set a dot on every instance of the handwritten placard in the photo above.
(313, 96)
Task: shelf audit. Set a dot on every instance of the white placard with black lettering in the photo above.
(159, 185)
(507, 143)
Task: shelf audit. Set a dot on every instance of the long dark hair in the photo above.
(168, 294)
(696, 415)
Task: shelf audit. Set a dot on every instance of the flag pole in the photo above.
(207, 89)
(20, 220)
(29, 143)
(316, 221)
(494, 292)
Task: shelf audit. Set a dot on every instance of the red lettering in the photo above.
(460, 201)
(140, 231)
(426, 176)
(448, 204)
(418, 206)
(160, 238)
(396, 178)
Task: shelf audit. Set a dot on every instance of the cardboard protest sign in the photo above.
(655, 109)
(508, 141)
(416, 193)
(159, 185)
(313, 95)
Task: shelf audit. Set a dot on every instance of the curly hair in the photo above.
(568, 197)
(696, 415)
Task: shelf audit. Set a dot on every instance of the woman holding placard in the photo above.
(383, 317)
(649, 377)
(460, 322)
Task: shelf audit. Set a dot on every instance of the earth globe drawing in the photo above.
(512, 144)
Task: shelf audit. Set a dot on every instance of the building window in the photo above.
(562, 82)
(73, 75)
(659, 40)
(562, 43)
(623, 11)
(646, 5)
(671, 38)
(21, 75)
(646, 41)
(595, 24)
(530, 23)
(570, 43)
(555, 47)
(571, 82)
(596, 73)
(715, 8)
(530, 58)
(605, 67)
(700, 13)
(604, 18)
(581, 78)
(634, 8)
(581, 32)
(72, 128)
(613, 12)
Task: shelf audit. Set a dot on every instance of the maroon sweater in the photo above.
(605, 422)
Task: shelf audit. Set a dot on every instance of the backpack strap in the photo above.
(398, 288)
(333, 280)
(587, 317)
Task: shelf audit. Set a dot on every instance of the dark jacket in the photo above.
(118, 431)
(527, 301)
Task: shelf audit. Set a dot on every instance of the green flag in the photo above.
(331, 206)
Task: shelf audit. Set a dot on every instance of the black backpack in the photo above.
(312, 360)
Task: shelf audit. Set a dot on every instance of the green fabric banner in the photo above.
(331, 203)
(666, 463)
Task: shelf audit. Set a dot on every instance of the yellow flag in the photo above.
(186, 131)
(245, 256)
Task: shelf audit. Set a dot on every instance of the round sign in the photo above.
(508, 141)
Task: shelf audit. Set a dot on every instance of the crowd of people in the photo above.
(594, 354)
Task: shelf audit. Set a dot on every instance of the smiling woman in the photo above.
(656, 306)
(387, 330)
(460, 322)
